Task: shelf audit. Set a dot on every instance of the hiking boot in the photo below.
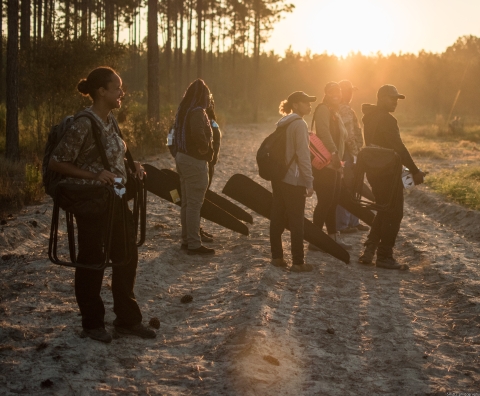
(201, 250)
(314, 248)
(336, 238)
(362, 227)
(390, 263)
(98, 334)
(279, 262)
(138, 330)
(301, 268)
(349, 230)
(368, 254)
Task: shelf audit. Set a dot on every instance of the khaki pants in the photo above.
(194, 182)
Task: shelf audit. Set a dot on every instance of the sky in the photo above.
(342, 26)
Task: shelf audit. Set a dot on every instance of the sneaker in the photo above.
(349, 230)
(336, 238)
(314, 248)
(368, 254)
(362, 227)
(201, 250)
(98, 334)
(280, 262)
(390, 263)
(301, 268)
(138, 330)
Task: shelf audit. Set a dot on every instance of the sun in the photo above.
(342, 26)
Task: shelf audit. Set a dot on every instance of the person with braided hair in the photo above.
(193, 143)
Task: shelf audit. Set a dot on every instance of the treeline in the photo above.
(159, 46)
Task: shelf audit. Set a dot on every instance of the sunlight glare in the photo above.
(343, 26)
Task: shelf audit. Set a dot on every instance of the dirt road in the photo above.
(252, 329)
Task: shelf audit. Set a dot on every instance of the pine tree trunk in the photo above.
(39, 22)
(199, 37)
(66, 28)
(189, 41)
(25, 26)
(84, 21)
(180, 57)
(256, 62)
(153, 104)
(12, 150)
(1, 53)
(109, 21)
(168, 50)
(46, 19)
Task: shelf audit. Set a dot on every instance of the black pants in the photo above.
(211, 171)
(386, 225)
(288, 209)
(88, 283)
(327, 185)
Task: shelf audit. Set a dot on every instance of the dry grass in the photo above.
(20, 183)
(461, 185)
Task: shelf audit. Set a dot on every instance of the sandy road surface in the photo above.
(252, 329)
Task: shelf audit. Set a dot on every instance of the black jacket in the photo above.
(381, 129)
(198, 135)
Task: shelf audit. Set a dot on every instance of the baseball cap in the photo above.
(389, 90)
(300, 96)
(346, 84)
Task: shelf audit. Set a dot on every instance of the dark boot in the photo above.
(368, 254)
(390, 263)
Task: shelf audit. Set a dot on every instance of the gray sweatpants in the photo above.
(194, 182)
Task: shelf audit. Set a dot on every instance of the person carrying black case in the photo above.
(74, 160)
(381, 130)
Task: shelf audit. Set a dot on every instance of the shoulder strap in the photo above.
(294, 144)
(96, 136)
(128, 154)
(313, 118)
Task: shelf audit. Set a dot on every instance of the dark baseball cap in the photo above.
(389, 90)
(345, 84)
(300, 96)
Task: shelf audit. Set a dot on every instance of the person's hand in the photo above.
(337, 164)
(105, 177)
(309, 192)
(418, 178)
(139, 171)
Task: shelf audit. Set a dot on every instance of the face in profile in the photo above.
(390, 103)
(302, 108)
(114, 94)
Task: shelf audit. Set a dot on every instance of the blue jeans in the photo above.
(345, 219)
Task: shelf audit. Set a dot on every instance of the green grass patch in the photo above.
(460, 185)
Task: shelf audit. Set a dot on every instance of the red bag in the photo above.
(321, 157)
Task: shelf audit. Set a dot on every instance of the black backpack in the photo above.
(57, 132)
(271, 161)
(51, 178)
